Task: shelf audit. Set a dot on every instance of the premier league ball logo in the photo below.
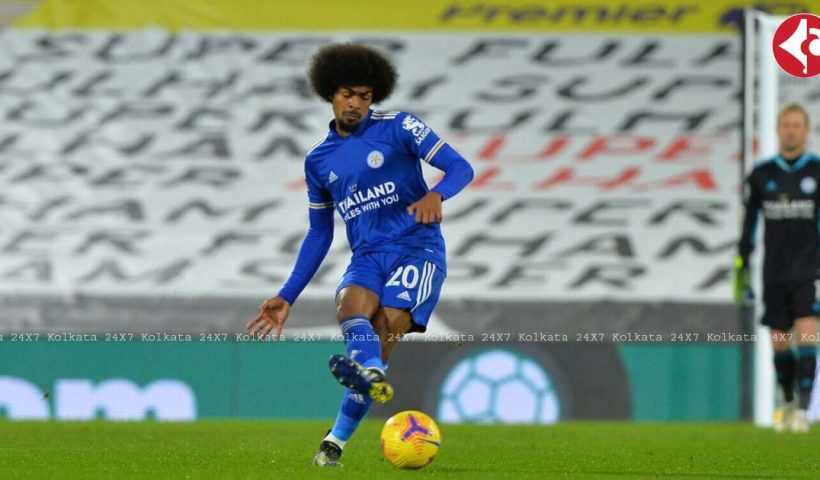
(498, 386)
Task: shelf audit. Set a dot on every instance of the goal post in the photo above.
(766, 89)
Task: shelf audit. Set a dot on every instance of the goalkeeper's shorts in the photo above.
(784, 302)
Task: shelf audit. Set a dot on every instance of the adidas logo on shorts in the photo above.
(405, 295)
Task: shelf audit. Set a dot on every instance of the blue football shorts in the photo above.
(401, 281)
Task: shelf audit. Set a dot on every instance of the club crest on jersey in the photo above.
(375, 159)
(415, 127)
(808, 185)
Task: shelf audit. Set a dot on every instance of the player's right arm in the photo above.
(752, 205)
(746, 244)
(273, 312)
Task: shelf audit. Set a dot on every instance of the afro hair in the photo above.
(349, 65)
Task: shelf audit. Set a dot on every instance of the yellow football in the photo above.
(410, 439)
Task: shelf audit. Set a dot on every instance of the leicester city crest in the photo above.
(808, 185)
(375, 159)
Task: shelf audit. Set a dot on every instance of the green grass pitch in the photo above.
(284, 449)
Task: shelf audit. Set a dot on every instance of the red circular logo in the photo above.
(796, 45)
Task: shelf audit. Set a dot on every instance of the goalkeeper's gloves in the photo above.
(744, 295)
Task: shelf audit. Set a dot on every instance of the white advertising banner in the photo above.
(169, 164)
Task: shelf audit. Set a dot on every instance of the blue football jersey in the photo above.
(371, 176)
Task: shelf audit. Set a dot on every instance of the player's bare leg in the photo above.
(391, 324)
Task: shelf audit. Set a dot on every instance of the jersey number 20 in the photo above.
(409, 277)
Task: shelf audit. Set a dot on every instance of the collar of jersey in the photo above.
(359, 131)
(798, 164)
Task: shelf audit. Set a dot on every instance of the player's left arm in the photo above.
(458, 173)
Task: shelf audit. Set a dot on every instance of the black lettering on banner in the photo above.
(212, 146)
(217, 177)
(459, 270)
(33, 114)
(388, 46)
(546, 206)
(26, 85)
(493, 48)
(121, 242)
(461, 117)
(142, 110)
(520, 87)
(643, 57)
(249, 213)
(734, 124)
(702, 83)
(721, 275)
(723, 51)
(208, 87)
(531, 274)
(598, 213)
(90, 139)
(571, 89)
(112, 271)
(545, 55)
(695, 245)
(617, 245)
(127, 209)
(296, 51)
(31, 241)
(420, 89)
(560, 123)
(42, 173)
(167, 138)
(224, 240)
(294, 119)
(125, 48)
(205, 118)
(619, 277)
(54, 46)
(283, 143)
(464, 211)
(648, 14)
(38, 270)
(527, 246)
(690, 120)
(211, 45)
(98, 85)
(274, 271)
(703, 212)
(578, 15)
(128, 176)
(7, 142)
(33, 213)
(291, 243)
(295, 86)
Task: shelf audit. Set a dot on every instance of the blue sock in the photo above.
(354, 408)
(806, 366)
(363, 345)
